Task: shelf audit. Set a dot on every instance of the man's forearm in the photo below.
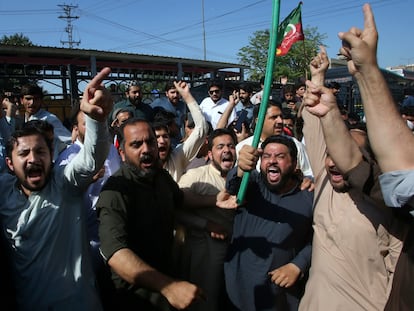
(224, 119)
(135, 271)
(92, 156)
(340, 145)
(390, 138)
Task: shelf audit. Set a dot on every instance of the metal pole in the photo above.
(204, 31)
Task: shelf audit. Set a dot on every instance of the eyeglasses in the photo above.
(214, 92)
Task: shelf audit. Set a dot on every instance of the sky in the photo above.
(176, 28)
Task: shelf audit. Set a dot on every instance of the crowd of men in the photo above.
(135, 206)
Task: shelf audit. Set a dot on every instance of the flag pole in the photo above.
(305, 57)
(266, 91)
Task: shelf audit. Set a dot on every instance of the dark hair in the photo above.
(287, 114)
(273, 103)
(284, 140)
(256, 108)
(221, 132)
(31, 89)
(123, 110)
(33, 127)
(246, 87)
(130, 121)
(169, 86)
(42, 125)
(216, 83)
(334, 85)
(289, 88)
(156, 126)
(162, 118)
(270, 103)
(299, 85)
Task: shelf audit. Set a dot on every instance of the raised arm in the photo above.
(224, 119)
(193, 143)
(96, 103)
(390, 138)
(11, 109)
(321, 102)
(5, 131)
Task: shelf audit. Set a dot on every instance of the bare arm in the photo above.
(224, 119)
(321, 102)
(134, 270)
(391, 140)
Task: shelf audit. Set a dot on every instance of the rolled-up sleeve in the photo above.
(398, 188)
(112, 223)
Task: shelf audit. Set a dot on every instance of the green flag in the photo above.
(290, 31)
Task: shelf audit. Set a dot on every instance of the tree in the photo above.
(16, 39)
(293, 65)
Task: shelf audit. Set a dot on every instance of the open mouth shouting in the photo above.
(162, 151)
(227, 161)
(273, 174)
(336, 176)
(34, 175)
(147, 161)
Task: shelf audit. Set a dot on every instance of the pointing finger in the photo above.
(96, 82)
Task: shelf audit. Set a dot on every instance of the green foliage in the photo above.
(293, 65)
(16, 39)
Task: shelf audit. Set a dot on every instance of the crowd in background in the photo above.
(134, 206)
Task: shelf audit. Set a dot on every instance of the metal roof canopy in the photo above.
(44, 63)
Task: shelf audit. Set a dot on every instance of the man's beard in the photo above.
(142, 173)
(135, 101)
(223, 172)
(342, 188)
(285, 178)
(147, 173)
(47, 173)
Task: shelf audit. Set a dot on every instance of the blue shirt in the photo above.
(269, 231)
(5, 132)
(249, 108)
(51, 260)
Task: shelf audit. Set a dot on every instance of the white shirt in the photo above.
(213, 111)
(183, 153)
